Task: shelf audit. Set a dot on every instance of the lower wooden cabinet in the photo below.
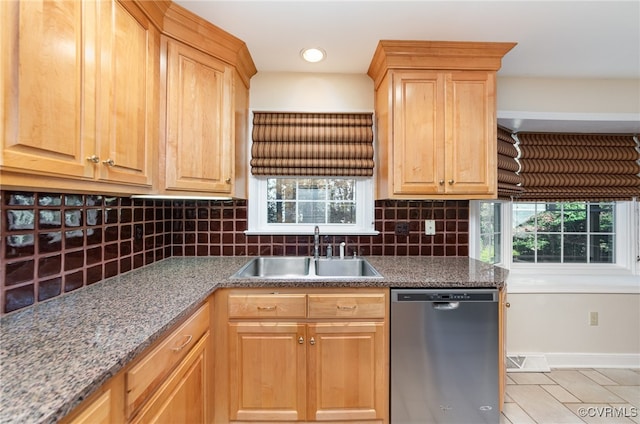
(103, 407)
(345, 368)
(169, 383)
(303, 356)
(267, 371)
(184, 396)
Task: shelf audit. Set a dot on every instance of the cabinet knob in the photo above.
(507, 305)
(109, 162)
(93, 159)
(228, 181)
(441, 182)
(312, 341)
(451, 182)
(300, 340)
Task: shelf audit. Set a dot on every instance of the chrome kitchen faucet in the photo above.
(316, 242)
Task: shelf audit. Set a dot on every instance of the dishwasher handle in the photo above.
(446, 306)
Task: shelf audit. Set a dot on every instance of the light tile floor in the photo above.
(561, 396)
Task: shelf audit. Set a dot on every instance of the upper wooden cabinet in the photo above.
(91, 101)
(204, 105)
(436, 118)
(199, 145)
(79, 81)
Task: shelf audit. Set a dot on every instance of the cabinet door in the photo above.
(103, 407)
(184, 396)
(471, 133)
(418, 131)
(199, 139)
(267, 371)
(347, 371)
(48, 86)
(99, 412)
(128, 111)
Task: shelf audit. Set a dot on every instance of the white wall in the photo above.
(305, 92)
(557, 325)
(554, 324)
(572, 96)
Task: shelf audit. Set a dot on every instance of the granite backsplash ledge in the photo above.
(54, 243)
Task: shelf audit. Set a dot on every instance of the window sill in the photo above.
(618, 282)
(307, 233)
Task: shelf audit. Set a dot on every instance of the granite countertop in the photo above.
(55, 354)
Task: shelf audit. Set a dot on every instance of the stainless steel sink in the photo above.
(355, 267)
(304, 267)
(275, 267)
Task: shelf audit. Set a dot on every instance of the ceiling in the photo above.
(556, 39)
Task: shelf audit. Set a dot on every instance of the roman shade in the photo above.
(586, 167)
(509, 181)
(312, 144)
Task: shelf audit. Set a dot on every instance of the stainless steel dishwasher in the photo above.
(444, 356)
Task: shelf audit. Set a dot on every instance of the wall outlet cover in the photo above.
(430, 227)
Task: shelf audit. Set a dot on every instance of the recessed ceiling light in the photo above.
(313, 55)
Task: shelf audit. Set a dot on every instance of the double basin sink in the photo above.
(304, 267)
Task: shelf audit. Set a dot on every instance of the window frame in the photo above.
(365, 210)
(622, 276)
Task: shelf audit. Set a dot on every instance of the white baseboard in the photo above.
(593, 360)
(577, 360)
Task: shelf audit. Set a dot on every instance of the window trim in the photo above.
(365, 210)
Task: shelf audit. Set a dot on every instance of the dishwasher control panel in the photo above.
(443, 296)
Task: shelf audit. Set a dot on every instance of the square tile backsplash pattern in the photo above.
(51, 244)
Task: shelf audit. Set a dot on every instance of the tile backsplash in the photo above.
(51, 244)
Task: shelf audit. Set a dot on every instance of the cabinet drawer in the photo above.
(151, 370)
(368, 305)
(267, 305)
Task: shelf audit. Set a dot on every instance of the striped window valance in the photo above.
(312, 144)
(588, 167)
(509, 182)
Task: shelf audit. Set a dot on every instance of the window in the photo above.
(490, 232)
(295, 205)
(551, 236)
(567, 232)
(311, 201)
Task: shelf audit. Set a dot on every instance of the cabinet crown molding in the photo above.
(436, 55)
(177, 22)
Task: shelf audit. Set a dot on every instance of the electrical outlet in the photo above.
(402, 228)
(593, 318)
(138, 232)
(429, 227)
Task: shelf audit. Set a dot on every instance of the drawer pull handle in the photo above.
(347, 308)
(266, 308)
(183, 345)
